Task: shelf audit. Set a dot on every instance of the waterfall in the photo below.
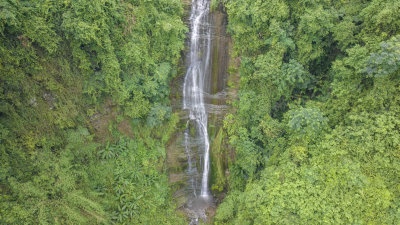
(196, 84)
(202, 110)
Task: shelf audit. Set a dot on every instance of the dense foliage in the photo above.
(316, 126)
(84, 113)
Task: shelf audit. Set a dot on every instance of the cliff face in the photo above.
(221, 45)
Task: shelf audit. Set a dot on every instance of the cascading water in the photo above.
(196, 76)
(195, 86)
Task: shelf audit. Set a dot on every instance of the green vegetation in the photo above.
(85, 115)
(84, 110)
(316, 123)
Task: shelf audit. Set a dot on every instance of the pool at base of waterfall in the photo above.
(197, 208)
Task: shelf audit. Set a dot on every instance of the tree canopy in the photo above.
(316, 122)
(84, 110)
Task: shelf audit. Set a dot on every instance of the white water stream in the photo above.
(195, 82)
(196, 85)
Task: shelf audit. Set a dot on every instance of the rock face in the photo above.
(221, 46)
(186, 157)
